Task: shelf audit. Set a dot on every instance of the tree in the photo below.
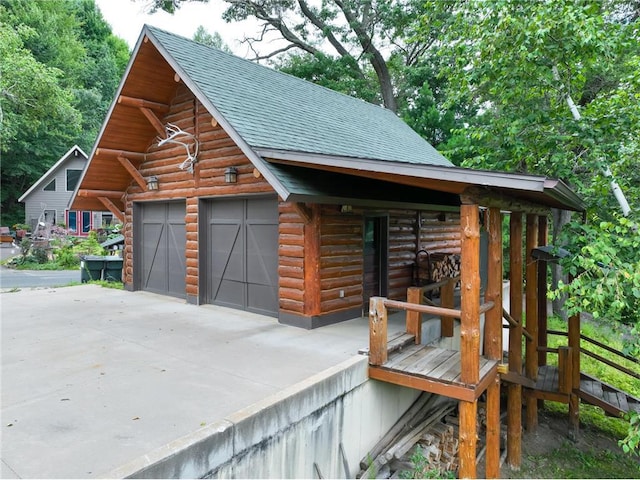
(210, 39)
(60, 67)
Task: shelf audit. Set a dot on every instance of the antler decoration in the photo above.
(173, 132)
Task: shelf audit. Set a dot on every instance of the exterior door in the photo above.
(242, 254)
(160, 248)
(376, 246)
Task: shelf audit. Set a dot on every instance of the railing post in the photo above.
(377, 331)
(565, 370)
(446, 300)
(414, 319)
(574, 402)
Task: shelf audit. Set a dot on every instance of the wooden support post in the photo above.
(531, 370)
(514, 399)
(470, 294)
(414, 319)
(543, 234)
(377, 331)
(565, 370)
(446, 300)
(312, 257)
(493, 338)
(574, 403)
(467, 439)
(469, 333)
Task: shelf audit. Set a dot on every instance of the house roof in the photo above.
(271, 109)
(44, 179)
(277, 118)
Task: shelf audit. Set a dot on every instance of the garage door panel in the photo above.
(242, 254)
(262, 299)
(262, 258)
(226, 252)
(161, 246)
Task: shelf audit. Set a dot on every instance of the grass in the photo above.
(571, 461)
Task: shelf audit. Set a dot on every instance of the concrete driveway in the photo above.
(93, 378)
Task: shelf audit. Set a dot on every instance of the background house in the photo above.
(47, 200)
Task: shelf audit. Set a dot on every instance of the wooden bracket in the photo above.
(142, 103)
(112, 208)
(157, 124)
(304, 211)
(133, 171)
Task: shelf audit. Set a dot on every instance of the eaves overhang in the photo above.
(534, 188)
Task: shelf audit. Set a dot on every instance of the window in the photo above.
(86, 222)
(73, 176)
(72, 222)
(107, 219)
(51, 186)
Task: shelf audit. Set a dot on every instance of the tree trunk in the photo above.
(560, 219)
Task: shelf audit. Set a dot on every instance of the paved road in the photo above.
(10, 278)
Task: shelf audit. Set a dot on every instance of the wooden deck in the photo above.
(431, 369)
(592, 391)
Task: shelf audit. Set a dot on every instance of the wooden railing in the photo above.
(599, 358)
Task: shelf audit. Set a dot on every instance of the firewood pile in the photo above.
(420, 424)
(433, 267)
(423, 441)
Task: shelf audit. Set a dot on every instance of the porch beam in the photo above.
(100, 193)
(514, 398)
(110, 152)
(531, 355)
(493, 338)
(142, 103)
(109, 205)
(133, 171)
(496, 199)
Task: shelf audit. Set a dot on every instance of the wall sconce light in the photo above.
(152, 183)
(231, 175)
(346, 209)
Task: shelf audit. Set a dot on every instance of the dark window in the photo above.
(51, 186)
(72, 179)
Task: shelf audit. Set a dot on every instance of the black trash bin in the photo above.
(91, 267)
(113, 269)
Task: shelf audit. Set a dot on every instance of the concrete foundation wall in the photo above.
(322, 426)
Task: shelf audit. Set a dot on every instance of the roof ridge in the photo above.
(271, 69)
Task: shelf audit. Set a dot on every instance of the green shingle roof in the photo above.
(273, 110)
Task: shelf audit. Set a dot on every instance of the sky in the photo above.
(127, 17)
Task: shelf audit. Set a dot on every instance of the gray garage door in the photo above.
(161, 241)
(242, 254)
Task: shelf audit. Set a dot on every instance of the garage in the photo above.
(240, 257)
(160, 248)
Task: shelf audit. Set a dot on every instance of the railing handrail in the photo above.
(433, 310)
(600, 358)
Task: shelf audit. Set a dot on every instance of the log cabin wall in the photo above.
(340, 253)
(217, 151)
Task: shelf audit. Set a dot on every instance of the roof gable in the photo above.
(52, 171)
(270, 109)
